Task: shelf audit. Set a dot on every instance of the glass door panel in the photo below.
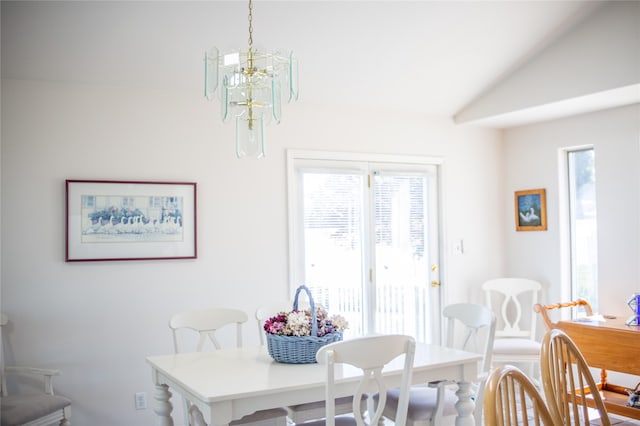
(333, 243)
(404, 264)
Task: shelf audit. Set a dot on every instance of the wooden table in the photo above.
(228, 384)
(608, 344)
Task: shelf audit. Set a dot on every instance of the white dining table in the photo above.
(228, 384)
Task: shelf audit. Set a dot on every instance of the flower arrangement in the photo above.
(299, 323)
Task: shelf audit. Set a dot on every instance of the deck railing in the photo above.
(399, 309)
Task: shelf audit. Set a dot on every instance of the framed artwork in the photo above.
(531, 210)
(121, 220)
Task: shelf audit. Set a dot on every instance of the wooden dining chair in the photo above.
(512, 399)
(515, 341)
(299, 413)
(203, 324)
(568, 384)
(370, 355)
(555, 312)
(574, 306)
(429, 403)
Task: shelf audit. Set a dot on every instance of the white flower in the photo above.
(339, 322)
(298, 324)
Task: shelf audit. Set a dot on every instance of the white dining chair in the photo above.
(299, 413)
(370, 355)
(204, 324)
(515, 341)
(429, 403)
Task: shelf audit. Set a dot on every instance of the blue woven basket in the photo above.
(300, 349)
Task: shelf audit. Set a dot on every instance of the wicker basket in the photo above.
(300, 349)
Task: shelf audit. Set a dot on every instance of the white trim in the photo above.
(369, 158)
(564, 224)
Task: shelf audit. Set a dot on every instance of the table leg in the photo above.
(464, 405)
(163, 405)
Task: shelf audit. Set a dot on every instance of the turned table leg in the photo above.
(163, 406)
(464, 405)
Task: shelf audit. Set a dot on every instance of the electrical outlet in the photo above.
(141, 400)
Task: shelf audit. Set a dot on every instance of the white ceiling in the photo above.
(425, 57)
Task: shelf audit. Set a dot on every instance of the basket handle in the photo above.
(314, 318)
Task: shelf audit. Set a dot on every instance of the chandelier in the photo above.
(250, 86)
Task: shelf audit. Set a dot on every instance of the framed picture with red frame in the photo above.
(130, 220)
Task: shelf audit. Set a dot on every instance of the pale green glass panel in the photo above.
(262, 96)
(231, 59)
(293, 77)
(210, 73)
(236, 101)
(276, 99)
(250, 139)
(224, 100)
(261, 61)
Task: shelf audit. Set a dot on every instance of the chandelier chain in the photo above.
(250, 24)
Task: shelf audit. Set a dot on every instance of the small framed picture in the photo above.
(531, 210)
(121, 220)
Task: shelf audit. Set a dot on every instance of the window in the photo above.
(583, 224)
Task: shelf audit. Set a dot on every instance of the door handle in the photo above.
(435, 283)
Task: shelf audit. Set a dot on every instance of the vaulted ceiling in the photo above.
(427, 57)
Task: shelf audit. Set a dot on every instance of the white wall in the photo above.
(600, 54)
(98, 321)
(531, 154)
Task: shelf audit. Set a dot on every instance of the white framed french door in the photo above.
(364, 237)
